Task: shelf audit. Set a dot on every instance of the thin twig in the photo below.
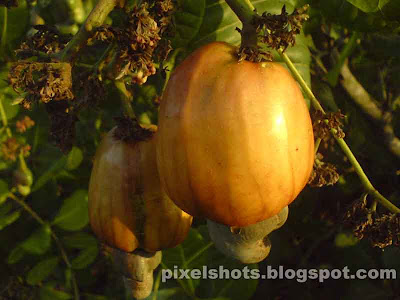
(95, 19)
(53, 235)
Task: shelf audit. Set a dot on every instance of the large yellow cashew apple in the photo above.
(235, 140)
(127, 207)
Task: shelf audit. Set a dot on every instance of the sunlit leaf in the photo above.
(80, 240)
(85, 258)
(15, 255)
(42, 270)
(9, 219)
(48, 293)
(3, 191)
(39, 241)
(188, 19)
(74, 158)
(54, 169)
(73, 214)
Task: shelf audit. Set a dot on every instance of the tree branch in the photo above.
(96, 18)
(368, 105)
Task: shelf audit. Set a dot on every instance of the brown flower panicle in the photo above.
(11, 148)
(380, 230)
(24, 124)
(42, 82)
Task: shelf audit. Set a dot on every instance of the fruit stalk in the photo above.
(248, 244)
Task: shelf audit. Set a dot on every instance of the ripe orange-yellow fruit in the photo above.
(235, 140)
(128, 209)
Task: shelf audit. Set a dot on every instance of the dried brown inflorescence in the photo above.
(130, 130)
(323, 173)
(323, 123)
(140, 41)
(47, 40)
(381, 230)
(65, 88)
(11, 148)
(42, 82)
(276, 31)
(24, 124)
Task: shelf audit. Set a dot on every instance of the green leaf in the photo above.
(39, 241)
(187, 19)
(17, 22)
(368, 5)
(15, 255)
(73, 214)
(85, 258)
(80, 240)
(74, 158)
(50, 173)
(48, 293)
(42, 270)
(6, 97)
(9, 219)
(197, 251)
(3, 191)
(324, 94)
(343, 240)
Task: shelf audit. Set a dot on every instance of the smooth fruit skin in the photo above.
(235, 139)
(127, 207)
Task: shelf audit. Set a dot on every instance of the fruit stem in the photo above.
(126, 97)
(246, 14)
(243, 9)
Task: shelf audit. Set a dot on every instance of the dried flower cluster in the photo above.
(24, 124)
(380, 230)
(323, 173)
(41, 81)
(11, 148)
(138, 41)
(322, 124)
(130, 130)
(276, 31)
(47, 40)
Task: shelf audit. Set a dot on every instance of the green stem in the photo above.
(198, 253)
(186, 289)
(4, 117)
(243, 9)
(314, 102)
(54, 236)
(370, 189)
(95, 19)
(316, 146)
(246, 14)
(126, 98)
(156, 285)
(104, 55)
(345, 148)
